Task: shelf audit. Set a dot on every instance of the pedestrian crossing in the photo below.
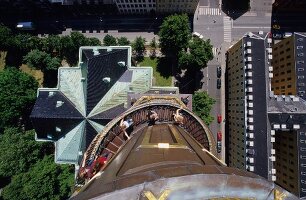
(227, 29)
(209, 11)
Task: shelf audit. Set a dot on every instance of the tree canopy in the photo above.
(201, 105)
(109, 40)
(123, 41)
(20, 151)
(17, 96)
(174, 34)
(139, 46)
(93, 42)
(41, 60)
(197, 55)
(45, 180)
(5, 38)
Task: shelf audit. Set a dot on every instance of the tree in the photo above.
(68, 50)
(109, 40)
(46, 180)
(19, 151)
(18, 48)
(174, 35)
(201, 105)
(5, 38)
(153, 46)
(35, 42)
(93, 42)
(197, 55)
(123, 41)
(41, 60)
(52, 45)
(78, 39)
(17, 96)
(139, 47)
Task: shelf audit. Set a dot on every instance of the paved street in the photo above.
(223, 31)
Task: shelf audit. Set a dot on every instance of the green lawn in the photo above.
(159, 80)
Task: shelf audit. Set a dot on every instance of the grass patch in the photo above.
(159, 80)
(2, 59)
(37, 74)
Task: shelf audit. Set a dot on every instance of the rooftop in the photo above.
(87, 97)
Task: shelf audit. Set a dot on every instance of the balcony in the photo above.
(249, 82)
(250, 105)
(250, 119)
(249, 74)
(248, 66)
(249, 89)
(250, 135)
(250, 98)
(250, 160)
(250, 143)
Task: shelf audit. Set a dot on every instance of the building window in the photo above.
(300, 69)
(299, 47)
(300, 77)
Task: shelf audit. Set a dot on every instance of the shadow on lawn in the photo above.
(165, 67)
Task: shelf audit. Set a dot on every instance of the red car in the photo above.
(219, 117)
(219, 136)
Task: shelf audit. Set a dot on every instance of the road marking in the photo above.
(209, 11)
(227, 29)
(214, 50)
(252, 27)
(252, 14)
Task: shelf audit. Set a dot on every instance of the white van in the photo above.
(287, 34)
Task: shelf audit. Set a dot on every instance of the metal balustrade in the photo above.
(112, 138)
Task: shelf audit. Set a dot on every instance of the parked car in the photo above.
(196, 34)
(218, 83)
(277, 36)
(219, 136)
(219, 72)
(219, 146)
(219, 118)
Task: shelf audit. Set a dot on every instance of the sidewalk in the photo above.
(130, 35)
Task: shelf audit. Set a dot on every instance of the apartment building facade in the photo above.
(156, 6)
(142, 6)
(247, 90)
(287, 116)
(266, 131)
(289, 66)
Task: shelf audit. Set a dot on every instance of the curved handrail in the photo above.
(192, 124)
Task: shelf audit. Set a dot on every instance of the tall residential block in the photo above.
(156, 6)
(265, 128)
(289, 66)
(248, 65)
